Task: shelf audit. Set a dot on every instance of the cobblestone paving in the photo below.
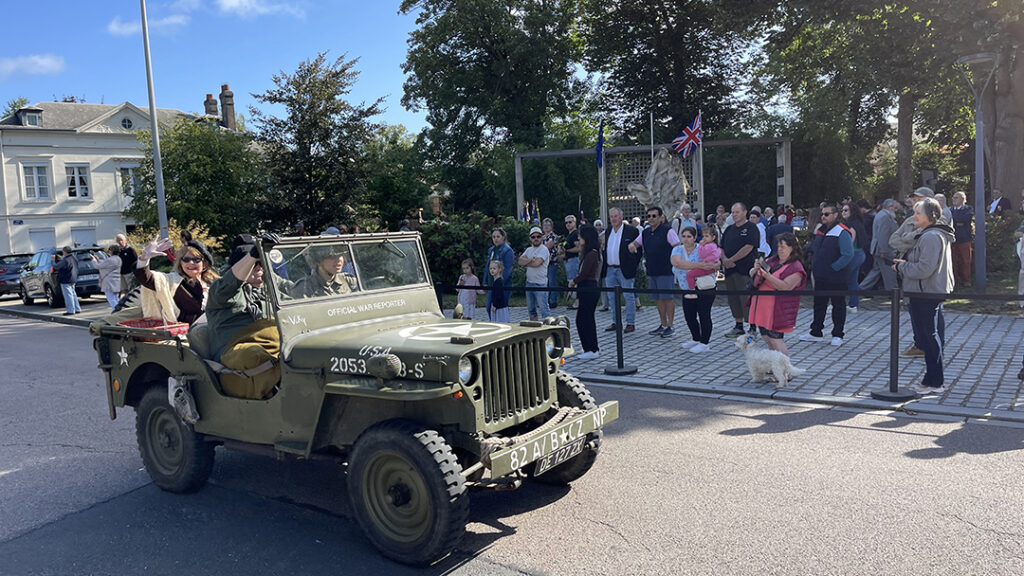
(981, 359)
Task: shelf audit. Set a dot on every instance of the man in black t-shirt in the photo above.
(739, 250)
(572, 251)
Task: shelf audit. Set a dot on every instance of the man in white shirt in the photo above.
(535, 258)
(1000, 206)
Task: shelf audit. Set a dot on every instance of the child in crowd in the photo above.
(499, 299)
(707, 251)
(467, 297)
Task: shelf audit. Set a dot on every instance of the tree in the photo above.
(395, 185)
(314, 152)
(212, 176)
(13, 105)
(666, 57)
(489, 74)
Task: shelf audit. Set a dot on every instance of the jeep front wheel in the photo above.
(572, 392)
(176, 457)
(408, 492)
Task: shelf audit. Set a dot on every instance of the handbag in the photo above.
(706, 282)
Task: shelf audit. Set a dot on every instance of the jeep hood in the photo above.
(423, 344)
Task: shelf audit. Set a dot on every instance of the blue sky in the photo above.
(93, 49)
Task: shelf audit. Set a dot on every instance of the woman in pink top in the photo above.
(776, 315)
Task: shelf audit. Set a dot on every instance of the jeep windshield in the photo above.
(319, 270)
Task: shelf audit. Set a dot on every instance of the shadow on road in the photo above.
(972, 438)
(791, 421)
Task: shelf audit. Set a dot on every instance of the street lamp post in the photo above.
(158, 170)
(973, 67)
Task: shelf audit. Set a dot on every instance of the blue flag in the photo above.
(600, 145)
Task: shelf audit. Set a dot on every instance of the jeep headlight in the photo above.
(549, 345)
(465, 370)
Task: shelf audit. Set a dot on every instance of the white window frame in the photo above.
(32, 118)
(26, 165)
(129, 186)
(80, 171)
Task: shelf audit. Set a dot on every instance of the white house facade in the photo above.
(67, 173)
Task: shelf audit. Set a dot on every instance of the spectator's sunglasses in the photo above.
(192, 260)
(532, 236)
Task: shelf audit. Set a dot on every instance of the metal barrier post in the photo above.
(620, 369)
(894, 392)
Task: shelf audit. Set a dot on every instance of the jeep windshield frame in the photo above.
(354, 265)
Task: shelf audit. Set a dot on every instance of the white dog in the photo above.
(762, 362)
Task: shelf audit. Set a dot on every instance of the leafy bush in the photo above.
(448, 243)
(1001, 245)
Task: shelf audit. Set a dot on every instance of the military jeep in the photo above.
(420, 408)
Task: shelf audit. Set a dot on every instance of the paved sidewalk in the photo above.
(982, 358)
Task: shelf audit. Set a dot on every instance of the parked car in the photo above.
(10, 272)
(39, 281)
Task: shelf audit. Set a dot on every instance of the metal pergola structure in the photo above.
(629, 164)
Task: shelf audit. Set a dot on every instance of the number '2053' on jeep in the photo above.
(420, 407)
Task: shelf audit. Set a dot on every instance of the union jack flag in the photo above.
(689, 138)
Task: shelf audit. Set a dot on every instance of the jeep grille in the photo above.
(514, 380)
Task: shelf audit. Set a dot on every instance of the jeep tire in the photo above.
(572, 392)
(408, 492)
(176, 457)
(25, 298)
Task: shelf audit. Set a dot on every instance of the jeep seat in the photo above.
(199, 340)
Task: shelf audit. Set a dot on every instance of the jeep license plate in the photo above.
(558, 456)
(84, 277)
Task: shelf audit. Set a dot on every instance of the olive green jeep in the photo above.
(419, 407)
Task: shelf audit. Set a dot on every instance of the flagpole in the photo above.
(700, 162)
(652, 137)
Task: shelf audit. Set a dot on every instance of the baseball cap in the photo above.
(535, 230)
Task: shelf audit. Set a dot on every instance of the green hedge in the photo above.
(448, 243)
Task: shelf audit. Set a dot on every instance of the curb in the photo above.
(48, 318)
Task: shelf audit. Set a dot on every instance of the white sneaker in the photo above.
(588, 356)
(700, 347)
(852, 309)
(690, 344)
(837, 341)
(810, 338)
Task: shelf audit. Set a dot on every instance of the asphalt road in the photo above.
(685, 485)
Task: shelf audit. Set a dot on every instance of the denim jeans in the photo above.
(572, 268)
(552, 282)
(537, 301)
(929, 331)
(854, 271)
(70, 298)
(615, 278)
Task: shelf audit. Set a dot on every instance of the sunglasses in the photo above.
(652, 215)
(191, 260)
(532, 236)
(829, 213)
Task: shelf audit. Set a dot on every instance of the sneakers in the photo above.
(668, 331)
(810, 338)
(912, 352)
(927, 390)
(836, 341)
(629, 328)
(589, 356)
(610, 328)
(657, 331)
(700, 347)
(735, 332)
(852, 309)
(691, 343)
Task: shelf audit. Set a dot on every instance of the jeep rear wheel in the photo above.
(408, 492)
(176, 457)
(25, 298)
(52, 298)
(572, 392)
